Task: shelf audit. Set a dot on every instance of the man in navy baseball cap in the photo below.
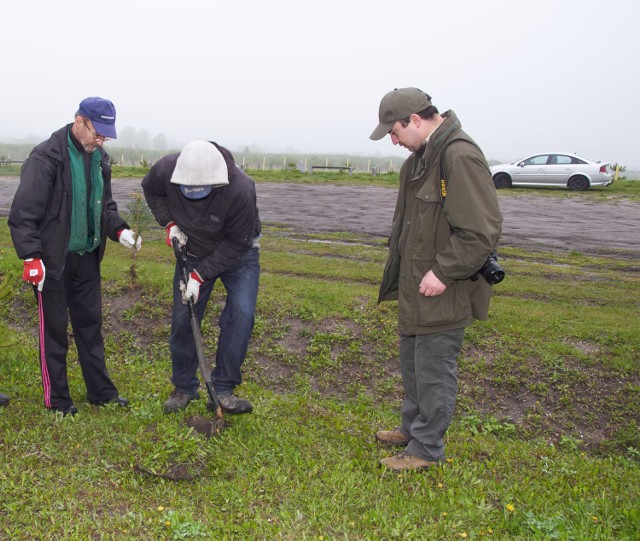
(102, 114)
(60, 219)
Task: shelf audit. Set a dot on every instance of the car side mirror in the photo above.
(521, 164)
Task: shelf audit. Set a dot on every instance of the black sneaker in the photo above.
(117, 400)
(65, 410)
(178, 401)
(230, 403)
(4, 399)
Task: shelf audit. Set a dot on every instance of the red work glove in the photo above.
(173, 231)
(192, 289)
(34, 272)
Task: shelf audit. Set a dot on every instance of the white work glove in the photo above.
(174, 232)
(192, 289)
(127, 239)
(34, 272)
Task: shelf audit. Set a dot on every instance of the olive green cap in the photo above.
(396, 105)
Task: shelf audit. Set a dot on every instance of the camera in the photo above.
(491, 271)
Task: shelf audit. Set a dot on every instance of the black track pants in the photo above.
(76, 296)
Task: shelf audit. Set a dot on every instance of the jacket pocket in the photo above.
(391, 274)
(431, 232)
(449, 307)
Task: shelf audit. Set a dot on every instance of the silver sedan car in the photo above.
(552, 169)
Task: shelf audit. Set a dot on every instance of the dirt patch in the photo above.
(569, 223)
(575, 223)
(140, 315)
(173, 472)
(206, 426)
(575, 398)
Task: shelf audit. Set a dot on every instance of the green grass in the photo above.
(10, 170)
(385, 180)
(544, 444)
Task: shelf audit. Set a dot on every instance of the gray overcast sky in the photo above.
(288, 75)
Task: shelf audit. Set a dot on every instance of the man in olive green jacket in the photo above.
(442, 234)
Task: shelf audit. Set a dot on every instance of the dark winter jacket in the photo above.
(453, 240)
(40, 215)
(221, 227)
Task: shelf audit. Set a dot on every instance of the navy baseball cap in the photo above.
(102, 114)
(195, 192)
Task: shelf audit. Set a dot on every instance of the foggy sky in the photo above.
(286, 76)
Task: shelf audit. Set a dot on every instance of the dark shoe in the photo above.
(405, 461)
(118, 401)
(230, 403)
(65, 410)
(178, 401)
(4, 399)
(393, 437)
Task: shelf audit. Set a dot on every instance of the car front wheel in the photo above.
(502, 180)
(578, 184)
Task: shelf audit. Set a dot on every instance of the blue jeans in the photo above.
(429, 376)
(236, 323)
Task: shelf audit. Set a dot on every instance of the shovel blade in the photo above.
(206, 426)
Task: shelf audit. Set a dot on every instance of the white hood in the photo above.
(200, 164)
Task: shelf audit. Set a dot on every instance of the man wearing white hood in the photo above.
(208, 204)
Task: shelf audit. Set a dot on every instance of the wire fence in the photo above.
(254, 161)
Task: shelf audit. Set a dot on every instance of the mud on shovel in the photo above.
(218, 423)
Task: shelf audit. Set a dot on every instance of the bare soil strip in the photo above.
(575, 223)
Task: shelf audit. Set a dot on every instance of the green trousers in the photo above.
(430, 380)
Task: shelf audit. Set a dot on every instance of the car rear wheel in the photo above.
(578, 183)
(502, 180)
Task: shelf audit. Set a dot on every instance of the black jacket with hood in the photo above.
(40, 215)
(220, 227)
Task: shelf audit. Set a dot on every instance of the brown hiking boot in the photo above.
(230, 403)
(393, 437)
(178, 401)
(405, 461)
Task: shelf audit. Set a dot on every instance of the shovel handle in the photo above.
(181, 257)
